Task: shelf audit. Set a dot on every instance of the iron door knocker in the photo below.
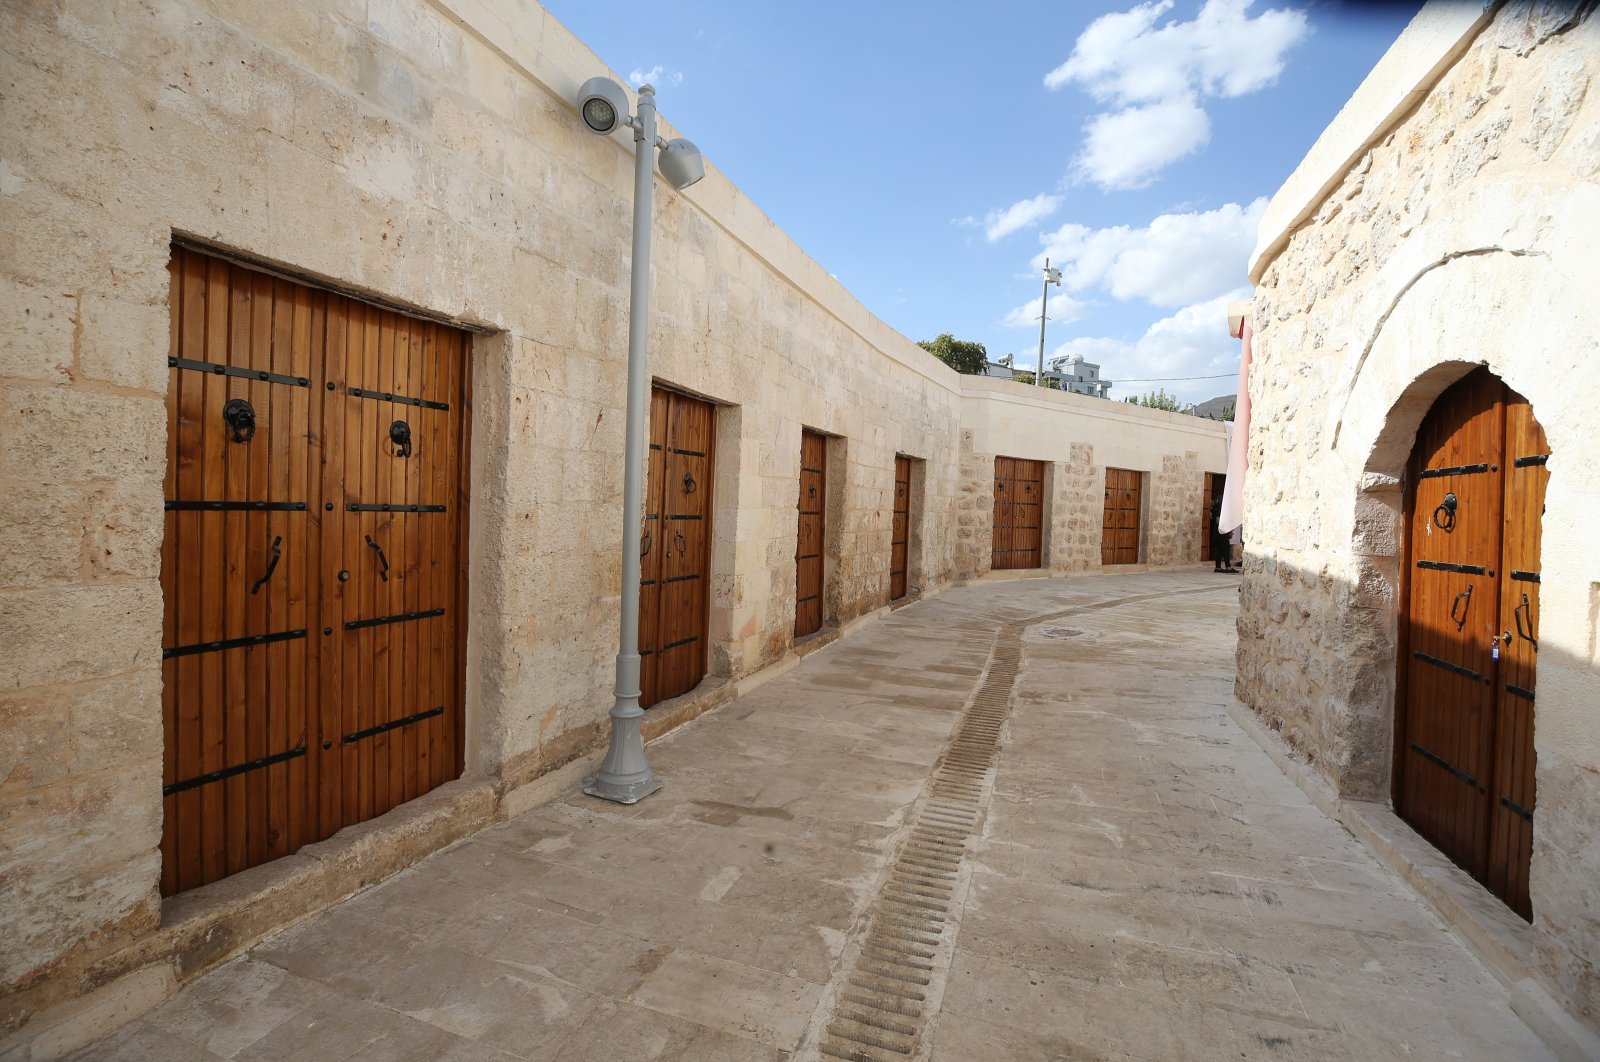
(1448, 508)
(689, 485)
(240, 417)
(400, 435)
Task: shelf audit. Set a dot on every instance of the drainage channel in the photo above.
(881, 1010)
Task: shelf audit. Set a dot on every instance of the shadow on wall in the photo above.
(1318, 666)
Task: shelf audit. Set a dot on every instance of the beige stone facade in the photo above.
(1449, 218)
(423, 155)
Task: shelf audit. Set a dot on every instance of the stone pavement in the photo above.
(1143, 882)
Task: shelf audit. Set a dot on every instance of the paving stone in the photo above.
(1144, 885)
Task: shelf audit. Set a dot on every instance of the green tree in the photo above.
(1158, 399)
(962, 355)
(1025, 376)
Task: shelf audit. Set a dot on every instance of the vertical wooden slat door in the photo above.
(675, 549)
(1210, 505)
(394, 547)
(1465, 722)
(237, 571)
(1018, 513)
(257, 661)
(1119, 537)
(812, 508)
(900, 531)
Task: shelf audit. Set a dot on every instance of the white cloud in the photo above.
(1063, 308)
(1128, 148)
(1192, 342)
(1176, 260)
(1153, 77)
(656, 75)
(999, 224)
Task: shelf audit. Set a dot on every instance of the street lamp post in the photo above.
(624, 775)
(1051, 276)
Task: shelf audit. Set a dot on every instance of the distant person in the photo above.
(1221, 543)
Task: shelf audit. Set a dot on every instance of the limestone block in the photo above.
(1559, 96)
(72, 633)
(36, 335)
(57, 433)
(35, 742)
(125, 343)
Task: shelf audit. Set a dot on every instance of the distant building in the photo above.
(1072, 373)
(996, 368)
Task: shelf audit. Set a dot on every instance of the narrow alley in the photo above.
(859, 860)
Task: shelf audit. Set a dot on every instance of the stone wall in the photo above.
(424, 155)
(1465, 231)
(1174, 451)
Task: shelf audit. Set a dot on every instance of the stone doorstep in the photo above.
(1496, 936)
(206, 927)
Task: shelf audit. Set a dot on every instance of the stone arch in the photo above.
(1512, 312)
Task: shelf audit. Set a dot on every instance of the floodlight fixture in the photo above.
(1052, 276)
(603, 105)
(681, 163)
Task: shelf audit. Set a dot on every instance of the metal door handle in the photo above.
(1516, 614)
(1448, 508)
(1465, 597)
(384, 574)
(272, 565)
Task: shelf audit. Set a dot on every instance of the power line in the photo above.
(1175, 379)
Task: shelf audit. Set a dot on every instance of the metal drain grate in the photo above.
(883, 1006)
(880, 1013)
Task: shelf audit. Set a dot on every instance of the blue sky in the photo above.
(931, 154)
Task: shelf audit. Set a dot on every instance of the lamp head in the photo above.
(681, 163)
(603, 105)
(1052, 276)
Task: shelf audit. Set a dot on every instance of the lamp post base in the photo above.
(624, 776)
(620, 791)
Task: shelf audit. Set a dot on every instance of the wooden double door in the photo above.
(813, 508)
(1465, 706)
(900, 532)
(312, 565)
(1119, 535)
(1018, 513)
(675, 546)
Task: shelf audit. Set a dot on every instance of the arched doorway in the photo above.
(1464, 751)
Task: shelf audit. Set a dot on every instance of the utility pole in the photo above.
(1051, 276)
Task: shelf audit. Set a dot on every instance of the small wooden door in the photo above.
(900, 535)
(1465, 755)
(808, 545)
(1018, 513)
(1210, 505)
(1119, 539)
(311, 566)
(675, 546)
